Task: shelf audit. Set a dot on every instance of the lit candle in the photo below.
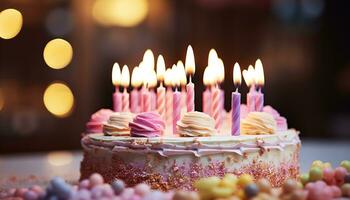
(236, 101)
(168, 98)
(147, 69)
(176, 98)
(249, 79)
(125, 81)
(117, 97)
(260, 80)
(146, 95)
(206, 96)
(134, 95)
(221, 78)
(183, 82)
(161, 89)
(190, 70)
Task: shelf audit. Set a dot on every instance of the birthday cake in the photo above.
(145, 146)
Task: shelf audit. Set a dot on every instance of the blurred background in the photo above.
(303, 44)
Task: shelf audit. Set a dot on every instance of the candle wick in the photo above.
(190, 79)
(236, 89)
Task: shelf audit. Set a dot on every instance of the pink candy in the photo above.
(339, 175)
(96, 179)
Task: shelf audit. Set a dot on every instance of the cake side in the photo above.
(169, 162)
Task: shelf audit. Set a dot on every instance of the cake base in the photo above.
(175, 163)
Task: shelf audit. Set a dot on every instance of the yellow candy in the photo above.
(327, 165)
(229, 180)
(221, 192)
(244, 180)
(207, 183)
(317, 163)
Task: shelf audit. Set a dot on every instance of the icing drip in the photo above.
(258, 123)
(196, 124)
(147, 124)
(118, 124)
(95, 124)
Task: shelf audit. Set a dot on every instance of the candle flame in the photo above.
(160, 68)
(259, 73)
(209, 77)
(237, 76)
(148, 59)
(221, 70)
(181, 73)
(247, 78)
(153, 79)
(190, 65)
(251, 72)
(167, 77)
(135, 77)
(116, 74)
(125, 79)
(212, 58)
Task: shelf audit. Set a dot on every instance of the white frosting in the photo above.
(118, 124)
(196, 124)
(257, 123)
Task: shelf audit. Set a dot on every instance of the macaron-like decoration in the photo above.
(147, 124)
(95, 124)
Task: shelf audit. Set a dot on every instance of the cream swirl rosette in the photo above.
(118, 124)
(196, 124)
(258, 123)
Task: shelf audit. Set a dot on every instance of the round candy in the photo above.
(20, 192)
(315, 174)
(304, 178)
(317, 163)
(221, 192)
(127, 193)
(207, 183)
(336, 191)
(84, 184)
(298, 195)
(229, 180)
(142, 189)
(185, 195)
(154, 195)
(339, 175)
(97, 191)
(96, 179)
(345, 164)
(118, 186)
(264, 185)
(30, 195)
(289, 186)
(251, 190)
(244, 180)
(61, 188)
(345, 189)
(328, 175)
(83, 194)
(327, 165)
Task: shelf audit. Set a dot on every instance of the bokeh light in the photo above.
(58, 99)
(59, 158)
(125, 13)
(58, 53)
(11, 21)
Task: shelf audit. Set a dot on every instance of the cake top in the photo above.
(118, 124)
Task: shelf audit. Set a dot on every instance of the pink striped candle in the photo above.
(153, 100)
(134, 100)
(215, 107)
(161, 101)
(125, 100)
(183, 97)
(259, 101)
(190, 96)
(146, 101)
(176, 109)
(143, 89)
(251, 99)
(206, 101)
(117, 100)
(169, 106)
(235, 112)
(222, 98)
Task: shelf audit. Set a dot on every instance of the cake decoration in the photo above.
(95, 124)
(196, 124)
(257, 123)
(281, 121)
(147, 124)
(118, 124)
